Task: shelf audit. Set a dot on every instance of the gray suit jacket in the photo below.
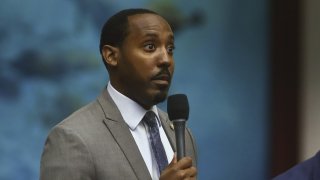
(95, 143)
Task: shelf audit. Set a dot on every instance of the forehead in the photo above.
(142, 24)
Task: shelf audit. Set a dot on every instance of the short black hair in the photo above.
(115, 30)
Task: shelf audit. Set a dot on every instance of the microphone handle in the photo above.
(179, 129)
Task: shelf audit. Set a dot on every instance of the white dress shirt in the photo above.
(132, 114)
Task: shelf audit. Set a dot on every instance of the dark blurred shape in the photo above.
(285, 61)
(196, 18)
(98, 11)
(8, 83)
(32, 63)
(8, 87)
(176, 18)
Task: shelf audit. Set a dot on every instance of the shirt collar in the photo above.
(131, 111)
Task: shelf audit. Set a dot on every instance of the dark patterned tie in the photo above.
(154, 137)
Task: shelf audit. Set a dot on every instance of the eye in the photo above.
(149, 47)
(170, 49)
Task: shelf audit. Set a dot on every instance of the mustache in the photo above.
(163, 74)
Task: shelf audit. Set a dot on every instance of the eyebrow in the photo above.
(154, 35)
(171, 37)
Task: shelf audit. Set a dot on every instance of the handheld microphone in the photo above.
(178, 111)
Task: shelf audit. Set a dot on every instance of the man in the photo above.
(111, 138)
(306, 170)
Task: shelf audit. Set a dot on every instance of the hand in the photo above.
(179, 170)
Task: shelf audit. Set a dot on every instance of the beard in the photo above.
(160, 97)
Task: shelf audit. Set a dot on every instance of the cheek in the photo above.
(172, 66)
(142, 69)
(145, 64)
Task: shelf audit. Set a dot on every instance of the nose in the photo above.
(165, 58)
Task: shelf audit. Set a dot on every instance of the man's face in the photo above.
(145, 65)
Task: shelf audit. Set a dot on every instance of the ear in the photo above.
(110, 55)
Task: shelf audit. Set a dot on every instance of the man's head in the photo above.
(137, 49)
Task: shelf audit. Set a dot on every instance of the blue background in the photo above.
(50, 66)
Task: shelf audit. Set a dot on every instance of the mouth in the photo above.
(162, 79)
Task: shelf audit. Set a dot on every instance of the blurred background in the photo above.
(250, 69)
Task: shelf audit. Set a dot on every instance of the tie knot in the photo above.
(150, 119)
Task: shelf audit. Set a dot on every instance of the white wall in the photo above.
(310, 136)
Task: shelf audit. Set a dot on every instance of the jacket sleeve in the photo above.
(65, 156)
(308, 169)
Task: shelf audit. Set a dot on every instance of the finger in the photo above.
(192, 172)
(189, 173)
(184, 163)
(173, 161)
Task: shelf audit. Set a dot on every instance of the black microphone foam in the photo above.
(178, 111)
(178, 107)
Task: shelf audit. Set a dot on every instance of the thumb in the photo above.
(174, 159)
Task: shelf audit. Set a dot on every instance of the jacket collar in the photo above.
(121, 133)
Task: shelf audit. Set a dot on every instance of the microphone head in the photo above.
(178, 107)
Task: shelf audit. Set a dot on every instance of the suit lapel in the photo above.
(168, 129)
(123, 136)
